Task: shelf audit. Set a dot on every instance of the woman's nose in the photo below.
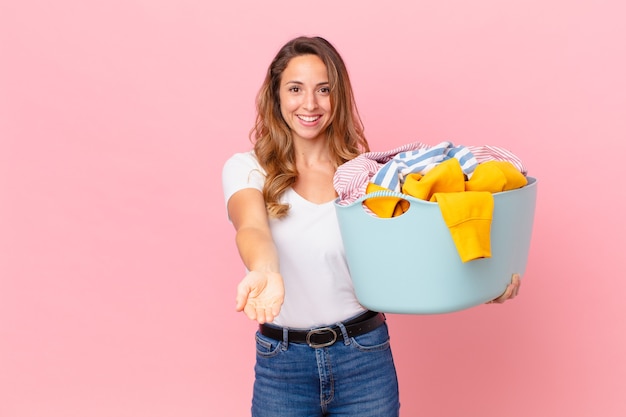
(310, 101)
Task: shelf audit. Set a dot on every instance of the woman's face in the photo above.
(305, 97)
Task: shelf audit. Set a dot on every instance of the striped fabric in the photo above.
(389, 168)
(486, 153)
(351, 178)
(391, 175)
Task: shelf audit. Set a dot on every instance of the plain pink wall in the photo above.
(117, 263)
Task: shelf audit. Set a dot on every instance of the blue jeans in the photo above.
(353, 377)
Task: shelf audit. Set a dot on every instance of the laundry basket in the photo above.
(409, 264)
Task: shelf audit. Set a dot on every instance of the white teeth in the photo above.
(308, 118)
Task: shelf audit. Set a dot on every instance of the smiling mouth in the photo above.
(308, 118)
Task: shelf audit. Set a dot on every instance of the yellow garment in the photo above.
(385, 207)
(446, 177)
(466, 206)
(468, 215)
(495, 176)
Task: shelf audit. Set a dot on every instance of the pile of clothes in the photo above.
(461, 179)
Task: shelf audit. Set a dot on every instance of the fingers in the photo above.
(260, 296)
(245, 304)
(262, 314)
(512, 290)
(276, 309)
(242, 296)
(514, 287)
(516, 280)
(506, 295)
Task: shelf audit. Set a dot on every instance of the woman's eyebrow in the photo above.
(301, 83)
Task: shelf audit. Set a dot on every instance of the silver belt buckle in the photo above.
(320, 330)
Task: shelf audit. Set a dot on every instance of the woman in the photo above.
(319, 352)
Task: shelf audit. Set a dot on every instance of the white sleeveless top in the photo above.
(318, 287)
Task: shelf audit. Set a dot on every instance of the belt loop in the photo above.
(344, 332)
(285, 339)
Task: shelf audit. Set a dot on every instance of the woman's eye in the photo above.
(294, 89)
(325, 90)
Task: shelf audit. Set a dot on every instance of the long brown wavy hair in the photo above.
(271, 136)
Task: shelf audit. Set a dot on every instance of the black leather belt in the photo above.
(326, 336)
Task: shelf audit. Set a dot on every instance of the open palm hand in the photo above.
(260, 295)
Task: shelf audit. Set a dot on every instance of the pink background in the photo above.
(117, 263)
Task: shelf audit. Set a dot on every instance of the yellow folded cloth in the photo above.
(468, 215)
(446, 177)
(495, 176)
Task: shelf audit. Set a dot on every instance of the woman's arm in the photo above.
(261, 292)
